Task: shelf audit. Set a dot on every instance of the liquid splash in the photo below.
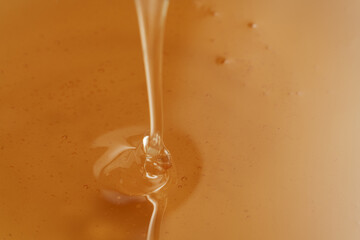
(127, 173)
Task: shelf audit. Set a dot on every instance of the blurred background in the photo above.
(261, 116)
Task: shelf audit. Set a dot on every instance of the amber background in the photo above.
(269, 117)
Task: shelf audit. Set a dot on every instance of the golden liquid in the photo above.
(261, 112)
(137, 168)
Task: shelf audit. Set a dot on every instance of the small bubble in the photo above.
(64, 137)
(299, 93)
(209, 11)
(180, 186)
(220, 60)
(184, 178)
(252, 25)
(213, 13)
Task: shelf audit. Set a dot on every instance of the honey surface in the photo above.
(261, 117)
